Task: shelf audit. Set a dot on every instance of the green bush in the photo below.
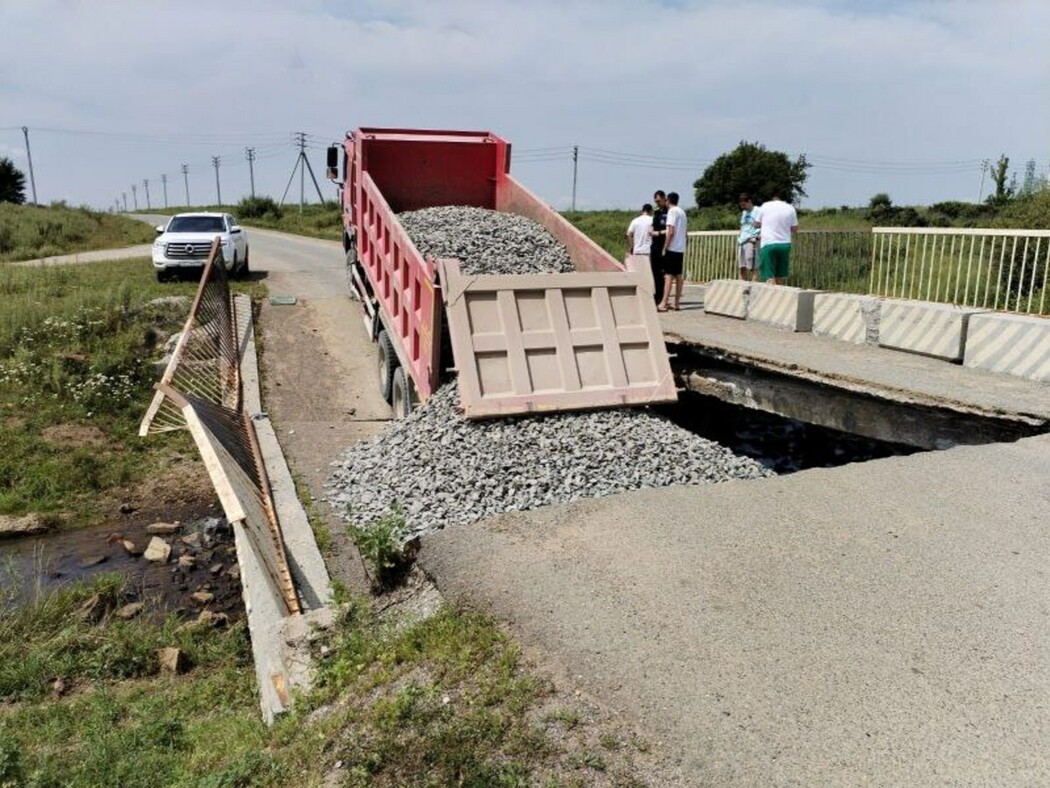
(258, 208)
(382, 545)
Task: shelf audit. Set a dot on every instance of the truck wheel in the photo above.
(163, 275)
(400, 394)
(386, 364)
(244, 266)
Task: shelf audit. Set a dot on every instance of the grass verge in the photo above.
(76, 350)
(31, 231)
(444, 701)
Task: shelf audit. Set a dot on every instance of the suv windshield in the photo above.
(196, 224)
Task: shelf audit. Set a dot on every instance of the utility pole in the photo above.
(218, 188)
(186, 180)
(125, 196)
(135, 196)
(145, 182)
(164, 181)
(302, 164)
(249, 153)
(985, 164)
(29, 157)
(575, 159)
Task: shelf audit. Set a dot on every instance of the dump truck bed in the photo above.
(521, 343)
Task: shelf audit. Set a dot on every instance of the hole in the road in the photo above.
(782, 444)
(790, 423)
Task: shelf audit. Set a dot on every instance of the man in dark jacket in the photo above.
(656, 251)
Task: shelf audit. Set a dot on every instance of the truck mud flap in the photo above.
(538, 343)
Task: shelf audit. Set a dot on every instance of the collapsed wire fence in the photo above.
(200, 390)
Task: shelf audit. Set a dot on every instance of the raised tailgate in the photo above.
(537, 343)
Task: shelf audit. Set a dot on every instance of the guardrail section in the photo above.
(200, 390)
(205, 361)
(985, 268)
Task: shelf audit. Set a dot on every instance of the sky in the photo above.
(906, 98)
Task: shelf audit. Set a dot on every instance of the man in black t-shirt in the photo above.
(656, 251)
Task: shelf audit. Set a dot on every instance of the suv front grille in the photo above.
(187, 250)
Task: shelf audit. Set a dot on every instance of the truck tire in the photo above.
(386, 364)
(401, 394)
(245, 271)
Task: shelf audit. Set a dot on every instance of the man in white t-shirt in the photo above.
(639, 237)
(777, 224)
(674, 252)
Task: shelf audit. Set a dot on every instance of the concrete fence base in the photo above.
(847, 317)
(1010, 344)
(937, 330)
(785, 307)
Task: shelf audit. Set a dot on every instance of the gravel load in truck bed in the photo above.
(443, 469)
(486, 242)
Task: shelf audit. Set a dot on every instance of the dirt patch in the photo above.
(74, 436)
(320, 391)
(181, 485)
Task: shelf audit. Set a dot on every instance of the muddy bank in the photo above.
(202, 561)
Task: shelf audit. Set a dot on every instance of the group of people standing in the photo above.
(764, 243)
(661, 234)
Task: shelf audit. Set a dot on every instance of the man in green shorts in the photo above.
(777, 223)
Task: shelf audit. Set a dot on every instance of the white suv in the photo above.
(186, 241)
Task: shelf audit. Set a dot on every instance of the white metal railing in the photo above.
(711, 254)
(999, 269)
(986, 268)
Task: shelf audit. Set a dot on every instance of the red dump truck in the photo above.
(518, 343)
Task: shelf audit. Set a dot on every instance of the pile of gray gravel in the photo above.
(443, 469)
(486, 242)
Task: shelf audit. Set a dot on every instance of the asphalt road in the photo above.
(883, 623)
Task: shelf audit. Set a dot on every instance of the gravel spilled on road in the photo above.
(442, 469)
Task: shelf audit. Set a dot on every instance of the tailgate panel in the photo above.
(548, 342)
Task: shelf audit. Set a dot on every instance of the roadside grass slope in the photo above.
(28, 232)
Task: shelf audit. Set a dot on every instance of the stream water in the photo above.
(34, 564)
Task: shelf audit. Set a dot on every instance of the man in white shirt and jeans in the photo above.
(777, 223)
(674, 253)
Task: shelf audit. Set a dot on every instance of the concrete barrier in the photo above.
(937, 330)
(1011, 344)
(781, 306)
(727, 297)
(847, 317)
(279, 641)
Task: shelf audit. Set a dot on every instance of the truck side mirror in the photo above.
(332, 167)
